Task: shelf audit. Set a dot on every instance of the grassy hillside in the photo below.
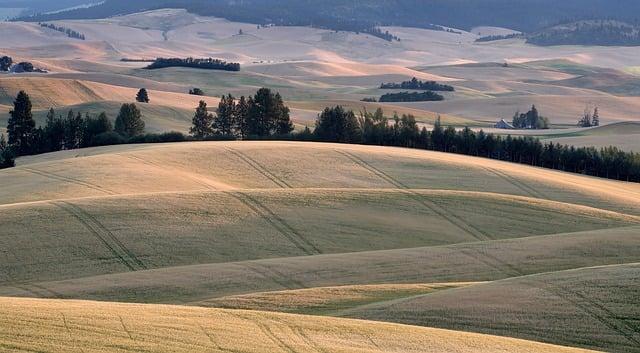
(594, 307)
(250, 165)
(478, 261)
(54, 326)
(325, 300)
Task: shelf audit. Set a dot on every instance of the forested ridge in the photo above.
(522, 15)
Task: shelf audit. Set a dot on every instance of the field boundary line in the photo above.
(276, 222)
(451, 218)
(260, 168)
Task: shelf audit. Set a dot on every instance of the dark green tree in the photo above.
(5, 63)
(7, 157)
(73, 130)
(224, 121)
(94, 127)
(241, 116)
(129, 122)
(201, 124)
(21, 125)
(142, 96)
(337, 125)
(268, 115)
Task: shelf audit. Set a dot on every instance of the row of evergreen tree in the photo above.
(262, 115)
(69, 132)
(416, 84)
(68, 31)
(265, 116)
(427, 96)
(339, 125)
(207, 63)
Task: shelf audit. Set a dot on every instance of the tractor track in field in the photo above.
(68, 180)
(277, 223)
(281, 183)
(593, 309)
(517, 183)
(272, 275)
(583, 303)
(266, 330)
(110, 241)
(451, 218)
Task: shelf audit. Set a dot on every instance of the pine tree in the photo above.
(202, 120)
(241, 114)
(223, 123)
(129, 122)
(7, 159)
(73, 129)
(338, 125)
(142, 96)
(21, 125)
(595, 118)
(282, 121)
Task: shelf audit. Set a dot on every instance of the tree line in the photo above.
(68, 31)
(74, 130)
(530, 120)
(206, 63)
(416, 84)
(427, 96)
(262, 115)
(265, 116)
(340, 125)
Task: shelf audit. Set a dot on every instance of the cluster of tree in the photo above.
(130, 60)
(530, 120)
(427, 96)
(495, 37)
(5, 63)
(196, 91)
(207, 63)
(588, 32)
(589, 119)
(259, 116)
(522, 15)
(369, 99)
(68, 31)
(339, 125)
(70, 132)
(377, 32)
(416, 84)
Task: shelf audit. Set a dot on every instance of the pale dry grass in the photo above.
(77, 326)
(224, 165)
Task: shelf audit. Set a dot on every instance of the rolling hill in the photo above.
(52, 326)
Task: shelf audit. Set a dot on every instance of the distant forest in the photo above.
(416, 84)
(592, 32)
(207, 64)
(69, 32)
(522, 15)
(427, 96)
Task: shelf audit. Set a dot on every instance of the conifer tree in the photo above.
(223, 123)
(142, 96)
(202, 122)
(21, 126)
(129, 122)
